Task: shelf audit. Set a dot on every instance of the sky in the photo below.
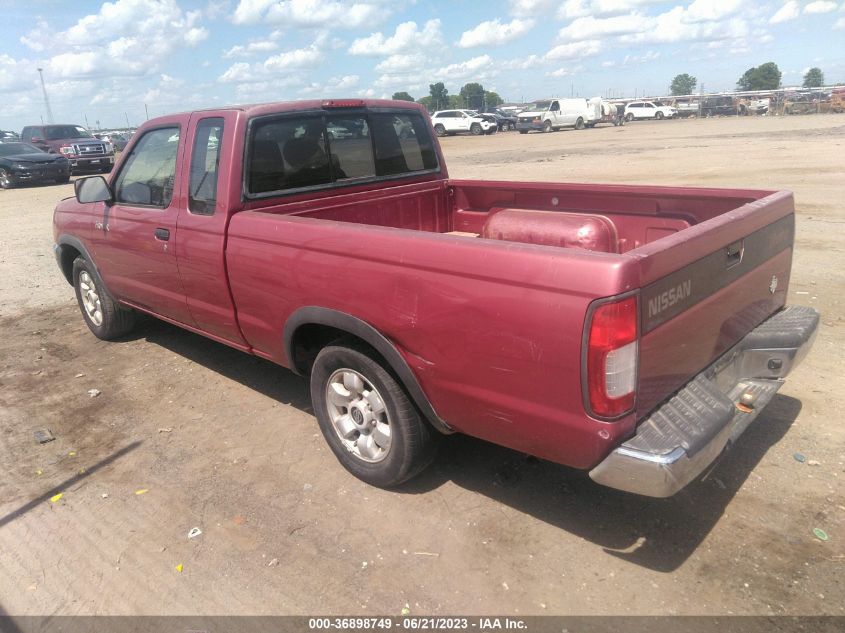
(106, 63)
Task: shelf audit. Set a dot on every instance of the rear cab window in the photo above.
(291, 152)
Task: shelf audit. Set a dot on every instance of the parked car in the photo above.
(9, 137)
(551, 318)
(24, 163)
(504, 120)
(719, 106)
(686, 107)
(648, 110)
(75, 143)
(449, 122)
(117, 140)
(548, 116)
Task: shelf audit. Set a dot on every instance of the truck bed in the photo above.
(701, 260)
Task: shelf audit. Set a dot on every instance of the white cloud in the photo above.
(145, 42)
(820, 6)
(16, 75)
(574, 50)
(407, 37)
(276, 65)
(588, 28)
(494, 33)
(334, 87)
(676, 25)
(600, 8)
(564, 72)
(524, 63)
(709, 10)
(310, 13)
(413, 62)
(478, 68)
(787, 12)
(839, 25)
(259, 46)
(532, 7)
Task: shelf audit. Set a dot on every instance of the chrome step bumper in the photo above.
(681, 438)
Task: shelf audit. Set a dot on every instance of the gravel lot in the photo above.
(228, 443)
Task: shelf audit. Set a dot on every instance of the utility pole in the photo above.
(88, 127)
(46, 100)
(127, 121)
(147, 112)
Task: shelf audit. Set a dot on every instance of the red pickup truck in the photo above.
(631, 331)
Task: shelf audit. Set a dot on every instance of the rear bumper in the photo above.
(682, 437)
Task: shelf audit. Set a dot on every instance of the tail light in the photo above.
(612, 355)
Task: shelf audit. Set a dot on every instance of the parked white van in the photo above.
(555, 114)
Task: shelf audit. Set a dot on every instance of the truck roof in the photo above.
(258, 109)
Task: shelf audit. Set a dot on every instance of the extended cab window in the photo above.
(205, 164)
(149, 171)
(295, 152)
(402, 144)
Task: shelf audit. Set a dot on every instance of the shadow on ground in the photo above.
(658, 534)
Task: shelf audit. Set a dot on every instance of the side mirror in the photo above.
(92, 189)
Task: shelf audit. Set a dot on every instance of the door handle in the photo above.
(162, 234)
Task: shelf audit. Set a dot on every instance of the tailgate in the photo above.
(705, 288)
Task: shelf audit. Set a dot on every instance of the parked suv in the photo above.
(648, 110)
(455, 121)
(75, 143)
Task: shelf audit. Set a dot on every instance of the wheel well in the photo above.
(310, 338)
(69, 254)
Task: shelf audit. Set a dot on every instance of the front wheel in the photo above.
(659, 116)
(440, 130)
(475, 129)
(6, 181)
(547, 127)
(367, 419)
(103, 316)
(579, 124)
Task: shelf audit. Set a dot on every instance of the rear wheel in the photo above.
(440, 130)
(103, 316)
(629, 117)
(6, 181)
(547, 127)
(475, 129)
(367, 419)
(579, 124)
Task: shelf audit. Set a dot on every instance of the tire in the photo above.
(346, 380)
(579, 124)
(6, 181)
(103, 316)
(629, 117)
(659, 116)
(440, 130)
(475, 129)
(523, 131)
(547, 127)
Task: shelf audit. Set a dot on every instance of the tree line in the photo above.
(763, 77)
(472, 96)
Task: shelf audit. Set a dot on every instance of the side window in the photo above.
(402, 144)
(205, 165)
(27, 134)
(288, 153)
(555, 106)
(350, 147)
(149, 172)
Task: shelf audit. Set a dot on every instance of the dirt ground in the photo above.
(227, 443)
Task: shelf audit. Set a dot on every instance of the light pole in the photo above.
(46, 100)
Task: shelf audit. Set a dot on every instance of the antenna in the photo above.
(46, 100)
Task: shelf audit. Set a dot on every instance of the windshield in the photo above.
(11, 149)
(542, 105)
(56, 132)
